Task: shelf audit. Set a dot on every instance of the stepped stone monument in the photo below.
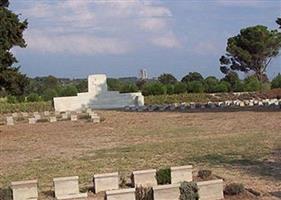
(98, 97)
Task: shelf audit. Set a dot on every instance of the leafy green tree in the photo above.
(33, 97)
(276, 82)
(114, 84)
(49, 94)
(252, 84)
(11, 34)
(128, 87)
(195, 87)
(82, 86)
(251, 51)
(180, 88)
(170, 89)
(192, 76)
(167, 79)
(223, 86)
(153, 88)
(69, 90)
(211, 83)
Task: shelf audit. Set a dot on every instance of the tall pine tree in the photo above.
(12, 81)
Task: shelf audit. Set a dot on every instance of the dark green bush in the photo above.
(69, 90)
(11, 99)
(234, 189)
(127, 88)
(276, 82)
(204, 174)
(252, 84)
(180, 88)
(33, 97)
(170, 89)
(144, 193)
(195, 87)
(163, 176)
(49, 94)
(154, 88)
(188, 191)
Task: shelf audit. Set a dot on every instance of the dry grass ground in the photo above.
(241, 147)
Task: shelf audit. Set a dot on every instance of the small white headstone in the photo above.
(31, 120)
(37, 116)
(10, 121)
(95, 119)
(64, 116)
(14, 115)
(46, 113)
(53, 119)
(73, 117)
(24, 114)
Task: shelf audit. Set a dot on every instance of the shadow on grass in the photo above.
(6, 194)
(270, 168)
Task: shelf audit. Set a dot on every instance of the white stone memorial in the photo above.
(123, 194)
(32, 120)
(73, 117)
(98, 97)
(104, 182)
(211, 190)
(53, 119)
(180, 174)
(10, 121)
(145, 178)
(166, 192)
(68, 188)
(23, 190)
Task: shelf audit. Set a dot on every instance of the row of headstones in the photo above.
(65, 116)
(274, 103)
(68, 187)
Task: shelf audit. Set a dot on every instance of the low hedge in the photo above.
(25, 107)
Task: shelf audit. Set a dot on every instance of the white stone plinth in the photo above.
(166, 192)
(211, 190)
(145, 178)
(123, 194)
(68, 188)
(180, 174)
(23, 190)
(104, 182)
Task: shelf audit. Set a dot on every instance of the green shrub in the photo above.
(188, 191)
(11, 99)
(195, 87)
(33, 97)
(252, 84)
(154, 88)
(204, 174)
(144, 193)
(211, 83)
(127, 88)
(163, 176)
(49, 94)
(234, 189)
(180, 88)
(222, 87)
(69, 90)
(170, 89)
(276, 82)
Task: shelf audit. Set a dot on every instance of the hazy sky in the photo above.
(74, 38)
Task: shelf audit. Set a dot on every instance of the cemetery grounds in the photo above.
(243, 147)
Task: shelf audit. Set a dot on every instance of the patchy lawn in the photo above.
(240, 146)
